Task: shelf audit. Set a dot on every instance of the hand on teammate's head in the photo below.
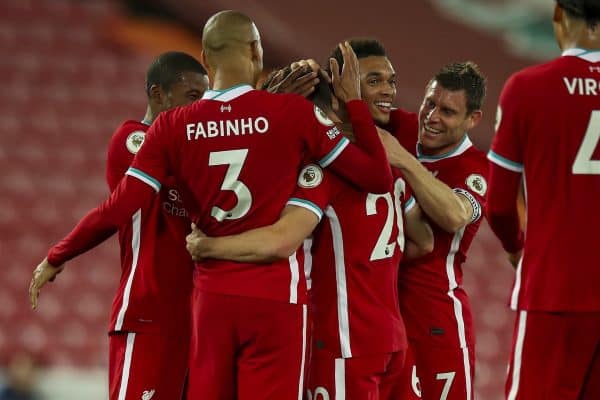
(346, 82)
(300, 77)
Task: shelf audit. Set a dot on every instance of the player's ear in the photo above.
(256, 50)
(558, 14)
(155, 94)
(474, 119)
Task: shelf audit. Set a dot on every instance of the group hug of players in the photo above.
(329, 228)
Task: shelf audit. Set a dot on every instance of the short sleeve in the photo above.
(150, 164)
(120, 154)
(473, 186)
(506, 149)
(313, 190)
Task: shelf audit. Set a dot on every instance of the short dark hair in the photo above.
(463, 76)
(363, 47)
(167, 68)
(588, 10)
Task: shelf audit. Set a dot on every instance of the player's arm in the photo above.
(97, 226)
(506, 169)
(365, 164)
(278, 240)
(419, 235)
(502, 210)
(446, 208)
(133, 193)
(262, 245)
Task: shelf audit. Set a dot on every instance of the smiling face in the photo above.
(444, 119)
(377, 86)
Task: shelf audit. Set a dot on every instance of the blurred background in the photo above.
(74, 70)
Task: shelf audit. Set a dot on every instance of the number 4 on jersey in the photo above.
(584, 165)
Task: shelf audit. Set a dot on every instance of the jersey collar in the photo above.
(588, 55)
(461, 148)
(227, 94)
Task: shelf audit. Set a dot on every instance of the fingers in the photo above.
(302, 80)
(33, 294)
(335, 70)
(304, 85)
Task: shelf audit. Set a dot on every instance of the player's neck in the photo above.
(224, 79)
(580, 36)
(149, 116)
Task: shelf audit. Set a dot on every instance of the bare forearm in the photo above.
(412, 251)
(248, 247)
(418, 233)
(438, 200)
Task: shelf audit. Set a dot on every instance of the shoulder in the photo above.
(536, 74)
(474, 160)
(129, 135)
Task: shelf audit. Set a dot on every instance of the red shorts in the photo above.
(438, 373)
(370, 377)
(147, 364)
(246, 348)
(555, 356)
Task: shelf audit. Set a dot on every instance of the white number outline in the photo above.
(383, 248)
(583, 164)
(234, 159)
(449, 378)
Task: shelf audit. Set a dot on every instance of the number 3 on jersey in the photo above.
(583, 161)
(234, 159)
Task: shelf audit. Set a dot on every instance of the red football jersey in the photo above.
(156, 269)
(236, 154)
(356, 251)
(548, 130)
(435, 275)
(404, 126)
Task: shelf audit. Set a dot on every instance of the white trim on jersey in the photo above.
(307, 248)
(465, 145)
(309, 205)
(460, 322)
(340, 379)
(514, 297)
(587, 55)
(517, 357)
(334, 153)
(136, 224)
(303, 362)
(227, 94)
(409, 204)
(504, 162)
(294, 277)
(142, 176)
(126, 366)
(340, 277)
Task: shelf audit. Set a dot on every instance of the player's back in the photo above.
(237, 154)
(558, 126)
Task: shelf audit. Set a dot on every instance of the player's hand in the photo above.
(44, 273)
(346, 83)
(194, 243)
(515, 258)
(300, 78)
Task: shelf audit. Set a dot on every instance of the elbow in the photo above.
(452, 223)
(426, 247)
(279, 248)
